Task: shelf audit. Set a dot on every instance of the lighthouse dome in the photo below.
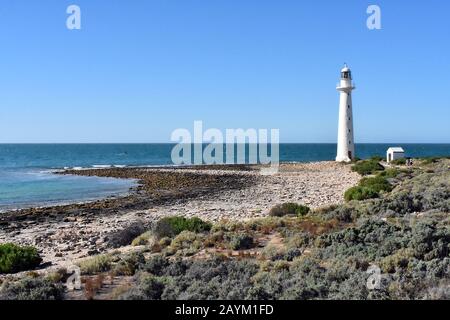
(346, 73)
(345, 68)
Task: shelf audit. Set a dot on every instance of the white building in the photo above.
(394, 153)
(345, 145)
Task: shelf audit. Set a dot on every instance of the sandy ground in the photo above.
(314, 184)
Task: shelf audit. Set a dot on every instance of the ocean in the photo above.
(26, 177)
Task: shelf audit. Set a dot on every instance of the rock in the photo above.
(67, 248)
(92, 252)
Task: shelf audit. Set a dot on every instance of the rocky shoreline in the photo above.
(69, 232)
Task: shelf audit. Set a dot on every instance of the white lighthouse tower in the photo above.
(345, 145)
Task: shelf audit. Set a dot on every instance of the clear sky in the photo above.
(137, 70)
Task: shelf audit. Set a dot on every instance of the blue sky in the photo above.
(137, 70)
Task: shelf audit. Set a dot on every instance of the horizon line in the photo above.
(6, 143)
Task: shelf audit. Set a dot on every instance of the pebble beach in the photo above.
(66, 233)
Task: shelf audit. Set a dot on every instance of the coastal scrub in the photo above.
(96, 264)
(369, 188)
(289, 209)
(30, 288)
(15, 258)
(172, 226)
(367, 167)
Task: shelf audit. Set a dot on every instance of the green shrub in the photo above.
(345, 213)
(172, 226)
(164, 242)
(399, 162)
(400, 259)
(96, 264)
(377, 158)
(241, 241)
(189, 279)
(325, 209)
(377, 184)
(360, 193)
(302, 210)
(14, 258)
(31, 289)
(297, 240)
(367, 167)
(390, 173)
(156, 265)
(56, 276)
(143, 239)
(186, 240)
(288, 209)
(226, 225)
(265, 225)
(128, 265)
(273, 253)
(429, 160)
(368, 188)
(148, 288)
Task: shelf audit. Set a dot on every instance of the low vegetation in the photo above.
(14, 258)
(335, 268)
(241, 241)
(392, 173)
(429, 160)
(289, 209)
(360, 193)
(377, 183)
(172, 226)
(377, 158)
(399, 162)
(318, 254)
(368, 188)
(31, 288)
(95, 264)
(143, 239)
(367, 167)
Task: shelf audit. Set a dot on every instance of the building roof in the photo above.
(396, 149)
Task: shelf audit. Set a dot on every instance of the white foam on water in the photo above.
(101, 166)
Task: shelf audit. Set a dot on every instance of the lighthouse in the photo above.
(345, 143)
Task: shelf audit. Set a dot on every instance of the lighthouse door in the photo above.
(350, 155)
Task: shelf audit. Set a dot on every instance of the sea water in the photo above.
(27, 178)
